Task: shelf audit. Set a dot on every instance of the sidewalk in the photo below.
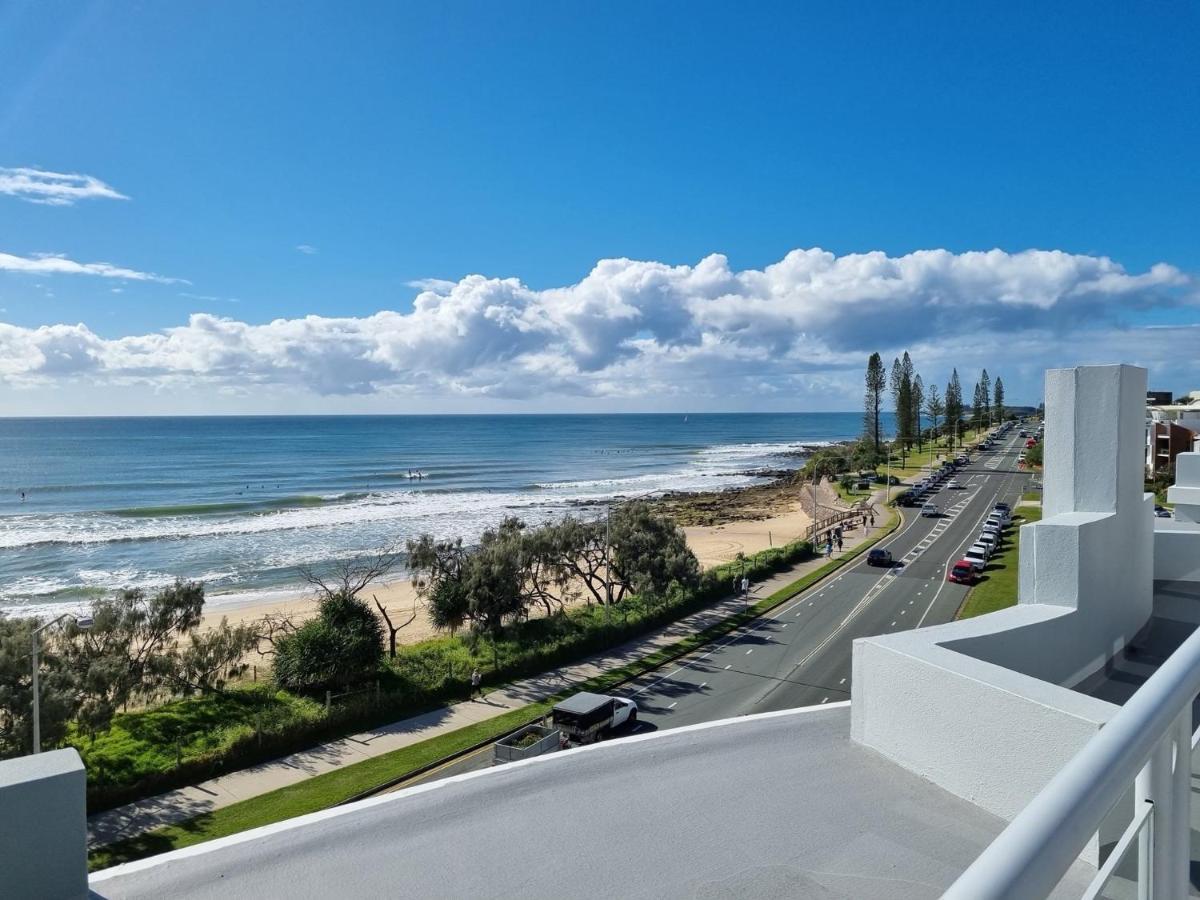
(186, 803)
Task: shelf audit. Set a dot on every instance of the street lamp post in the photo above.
(34, 636)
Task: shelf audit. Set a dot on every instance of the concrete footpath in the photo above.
(186, 803)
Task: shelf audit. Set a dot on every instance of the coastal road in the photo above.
(799, 654)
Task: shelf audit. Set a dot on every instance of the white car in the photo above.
(996, 530)
(930, 510)
(954, 485)
(977, 557)
(988, 540)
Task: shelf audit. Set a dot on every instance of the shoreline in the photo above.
(717, 524)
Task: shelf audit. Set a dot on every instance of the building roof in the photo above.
(775, 805)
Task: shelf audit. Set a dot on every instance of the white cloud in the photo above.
(50, 264)
(635, 332)
(306, 249)
(54, 188)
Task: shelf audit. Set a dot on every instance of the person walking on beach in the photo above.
(476, 681)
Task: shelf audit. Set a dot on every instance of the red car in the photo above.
(962, 572)
(1030, 443)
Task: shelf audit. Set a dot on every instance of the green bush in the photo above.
(341, 646)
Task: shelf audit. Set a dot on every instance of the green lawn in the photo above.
(1032, 496)
(331, 788)
(997, 587)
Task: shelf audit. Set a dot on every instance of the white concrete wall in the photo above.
(1177, 541)
(983, 707)
(43, 827)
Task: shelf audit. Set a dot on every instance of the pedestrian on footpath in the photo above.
(745, 585)
(476, 681)
(839, 540)
(829, 548)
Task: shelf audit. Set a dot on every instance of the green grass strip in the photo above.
(331, 788)
(997, 588)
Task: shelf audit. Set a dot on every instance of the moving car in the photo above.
(583, 717)
(962, 572)
(954, 485)
(930, 511)
(879, 557)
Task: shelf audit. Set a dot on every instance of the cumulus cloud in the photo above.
(635, 329)
(51, 264)
(54, 188)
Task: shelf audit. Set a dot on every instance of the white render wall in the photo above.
(43, 827)
(1177, 540)
(983, 707)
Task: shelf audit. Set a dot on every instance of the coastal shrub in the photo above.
(342, 645)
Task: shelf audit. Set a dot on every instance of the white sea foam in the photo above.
(264, 548)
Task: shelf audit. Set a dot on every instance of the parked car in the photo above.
(977, 557)
(1162, 512)
(996, 529)
(988, 540)
(879, 557)
(962, 572)
(1003, 506)
(930, 511)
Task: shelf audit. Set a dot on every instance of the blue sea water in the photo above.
(240, 502)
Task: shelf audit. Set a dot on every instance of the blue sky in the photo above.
(405, 142)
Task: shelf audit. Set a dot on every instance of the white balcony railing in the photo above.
(1147, 743)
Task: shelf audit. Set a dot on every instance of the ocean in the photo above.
(240, 502)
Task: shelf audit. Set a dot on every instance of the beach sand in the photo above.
(712, 544)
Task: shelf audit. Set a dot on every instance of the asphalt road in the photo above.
(799, 654)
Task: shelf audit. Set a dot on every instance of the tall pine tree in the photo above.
(954, 406)
(998, 401)
(873, 402)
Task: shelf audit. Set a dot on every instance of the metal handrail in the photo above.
(1031, 855)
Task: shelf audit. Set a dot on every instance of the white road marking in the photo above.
(843, 681)
(730, 666)
(704, 684)
(673, 705)
(824, 699)
(893, 625)
(751, 650)
(786, 624)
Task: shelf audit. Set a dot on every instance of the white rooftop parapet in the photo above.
(983, 707)
(43, 827)
(1177, 540)
(1185, 493)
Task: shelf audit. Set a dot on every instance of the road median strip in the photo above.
(372, 776)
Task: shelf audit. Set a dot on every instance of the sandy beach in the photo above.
(777, 522)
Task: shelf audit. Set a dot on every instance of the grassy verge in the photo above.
(997, 587)
(1032, 496)
(331, 788)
